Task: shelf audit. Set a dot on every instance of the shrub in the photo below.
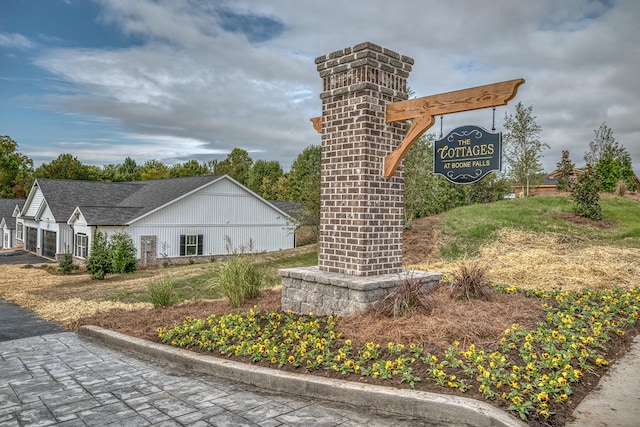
(585, 194)
(240, 280)
(98, 263)
(470, 281)
(66, 263)
(406, 298)
(161, 291)
(122, 253)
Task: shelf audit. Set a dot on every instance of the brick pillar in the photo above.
(361, 212)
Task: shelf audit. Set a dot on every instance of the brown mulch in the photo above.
(577, 219)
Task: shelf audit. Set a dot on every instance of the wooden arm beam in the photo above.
(424, 110)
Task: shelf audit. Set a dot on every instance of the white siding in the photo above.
(219, 210)
(38, 199)
(65, 239)
(7, 238)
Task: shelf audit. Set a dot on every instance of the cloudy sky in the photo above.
(192, 79)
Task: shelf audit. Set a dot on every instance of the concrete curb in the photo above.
(379, 399)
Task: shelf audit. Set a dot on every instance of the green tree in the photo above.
(304, 179)
(16, 170)
(98, 263)
(418, 176)
(522, 148)
(565, 169)
(237, 165)
(585, 194)
(189, 168)
(491, 188)
(129, 170)
(278, 190)
(153, 169)
(261, 170)
(611, 161)
(66, 166)
(122, 252)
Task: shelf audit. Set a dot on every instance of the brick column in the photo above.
(361, 212)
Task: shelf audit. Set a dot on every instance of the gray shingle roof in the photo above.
(293, 209)
(115, 203)
(6, 210)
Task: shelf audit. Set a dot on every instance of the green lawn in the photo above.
(467, 228)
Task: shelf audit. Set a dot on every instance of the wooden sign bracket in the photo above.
(423, 112)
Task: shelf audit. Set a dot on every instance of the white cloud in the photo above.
(16, 41)
(198, 77)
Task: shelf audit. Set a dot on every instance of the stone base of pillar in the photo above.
(309, 289)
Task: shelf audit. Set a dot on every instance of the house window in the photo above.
(82, 242)
(191, 244)
(19, 231)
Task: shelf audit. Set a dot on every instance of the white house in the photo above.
(169, 219)
(9, 210)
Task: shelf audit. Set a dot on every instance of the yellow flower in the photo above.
(516, 400)
(291, 359)
(543, 397)
(601, 361)
(347, 343)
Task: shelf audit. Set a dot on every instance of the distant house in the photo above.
(174, 220)
(9, 210)
(551, 181)
(549, 185)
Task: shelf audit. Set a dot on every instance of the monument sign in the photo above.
(467, 154)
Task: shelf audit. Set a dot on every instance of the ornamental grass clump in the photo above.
(162, 291)
(240, 280)
(470, 282)
(409, 295)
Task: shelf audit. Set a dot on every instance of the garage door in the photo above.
(48, 244)
(32, 239)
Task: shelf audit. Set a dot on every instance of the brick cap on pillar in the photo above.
(365, 65)
(365, 46)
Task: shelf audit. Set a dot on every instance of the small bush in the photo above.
(66, 264)
(469, 281)
(161, 291)
(585, 194)
(406, 298)
(98, 263)
(240, 280)
(122, 251)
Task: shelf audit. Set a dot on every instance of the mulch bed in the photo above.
(480, 322)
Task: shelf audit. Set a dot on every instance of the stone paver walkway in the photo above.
(63, 379)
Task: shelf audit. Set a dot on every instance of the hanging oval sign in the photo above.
(467, 154)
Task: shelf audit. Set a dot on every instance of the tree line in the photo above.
(425, 193)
